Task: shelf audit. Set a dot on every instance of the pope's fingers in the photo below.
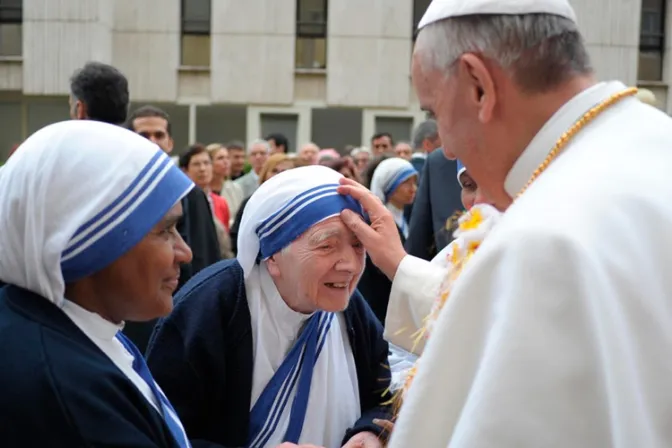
(361, 229)
(346, 181)
(372, 204)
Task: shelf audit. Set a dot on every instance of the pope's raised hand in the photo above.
(380, 238)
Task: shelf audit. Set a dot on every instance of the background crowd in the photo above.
(227, 173)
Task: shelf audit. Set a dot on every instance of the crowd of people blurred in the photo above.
(403, 174)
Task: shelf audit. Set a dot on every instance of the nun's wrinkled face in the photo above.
(139, 285)
(321, 269)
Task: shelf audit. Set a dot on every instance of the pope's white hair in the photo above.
(540, 51)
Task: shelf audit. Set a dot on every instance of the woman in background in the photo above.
(221, 183)
(345, 166)
(197, 163)
(394, 181)
(277, 163)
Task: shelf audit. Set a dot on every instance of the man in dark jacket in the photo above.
(196, 226)
(437, 199)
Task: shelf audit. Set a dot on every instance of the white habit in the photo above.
(559, 331)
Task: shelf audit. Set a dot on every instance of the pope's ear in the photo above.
(479, 84)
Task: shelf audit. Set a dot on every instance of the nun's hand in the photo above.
(364, 440)
(380, 239)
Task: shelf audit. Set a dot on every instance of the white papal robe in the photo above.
(559, 331)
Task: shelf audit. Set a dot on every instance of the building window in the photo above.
(311, 34)
(11, 33)
(419, 8)
(195, 33)
(652, 41)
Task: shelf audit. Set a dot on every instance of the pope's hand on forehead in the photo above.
(380, 239)
(372, 205)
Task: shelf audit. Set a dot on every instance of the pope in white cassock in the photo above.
(558, 332)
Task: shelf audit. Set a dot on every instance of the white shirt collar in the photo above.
(559, 123)
(90, 323)
(419, 155)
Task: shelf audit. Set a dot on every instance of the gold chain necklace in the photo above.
(559, 146)
(571, 132)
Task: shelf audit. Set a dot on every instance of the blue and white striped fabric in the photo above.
(284, 207)
(295, 384)
(300, 214)
(389, 174)
(76, 196)
(126, 220)
(168, 413)
(294, 375)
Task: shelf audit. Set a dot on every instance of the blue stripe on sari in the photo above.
(167, 411)
(296, 371)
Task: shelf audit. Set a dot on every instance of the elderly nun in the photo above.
(278, 345)
(394, 182)
(88, 213)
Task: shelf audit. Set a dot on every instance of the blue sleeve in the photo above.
(373, 370)
(187, 357)
(61, 397)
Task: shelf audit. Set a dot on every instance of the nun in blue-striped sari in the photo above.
(87, 241)
(394, 182)
(277, 345)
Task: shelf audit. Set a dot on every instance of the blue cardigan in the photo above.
(59, 389)
(201, 356)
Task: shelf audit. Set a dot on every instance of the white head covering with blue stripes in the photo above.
(278, 213)
(387, 177)
(76, 196)
(389, 174)
(284, 207)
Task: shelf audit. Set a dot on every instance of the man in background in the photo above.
(403, 150)
(258, 153)
(237, 158)
(196, 225)
(278, 143)
(433, 205)
(437, 199)
(99, 92)
(309, 153)
(425, 140)
(381, 143)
